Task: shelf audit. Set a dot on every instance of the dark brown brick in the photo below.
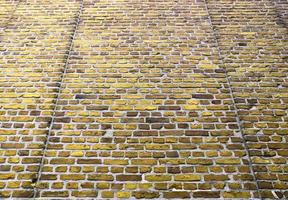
(206, 194)
(176, 195)
(128, 177)
(202, 96)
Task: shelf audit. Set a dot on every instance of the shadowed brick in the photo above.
(128, 178)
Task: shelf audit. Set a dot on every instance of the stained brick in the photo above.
(176, 195)
(89, 161)
(145, 195)
(202, 96)
(128, 178)
(157, 120)
(206, 194)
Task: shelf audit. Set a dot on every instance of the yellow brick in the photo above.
(115, 162)
(14, 107)
(107, 194)
(208, 66)
(122, 107)
(123, 194)
(130, 186)
(13, 160)
(192, 107)
(145, 107)
(229, 161)
(193, 102)
(8, 95)
(14, 184)
(23, 119)
(7, 132)
(107, 120)
(158, 178)
(157, 147)
(187, 177)
(31, 95)
(103, 185)
(145, 186)
(5, 176)
(104, 147)
(77, 153)
(123, 85)
(238, 194)
(77, 147)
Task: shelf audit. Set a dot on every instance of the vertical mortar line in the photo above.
(70, 45)
(233, 99)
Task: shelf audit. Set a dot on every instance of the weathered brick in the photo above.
(158, 177)
(5, 194)
(62, 161)
(216, 177)
(176, 195)
(206, 194)
(143, 162)
(157, 120)
(85, 193)
(55, 194)
(128, 177)
(202, 96)
(229, 161)
(88, 161)
(123, 194)
(100, 177)
(196, 133)
(238, 194)
(6, 176)
(22, 193)
(145, 195)
(187, 177)
(72, 177)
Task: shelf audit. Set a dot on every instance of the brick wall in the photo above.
(143, 99)
(253, 47)
(33, 52)
(282, 11)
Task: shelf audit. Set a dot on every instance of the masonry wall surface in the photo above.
(143, 99)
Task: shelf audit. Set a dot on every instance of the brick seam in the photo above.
(35, 189)
(233, 99)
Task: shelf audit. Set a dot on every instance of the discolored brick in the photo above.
(176, 195)
(206, 194)
(128, 177)
(145, 195)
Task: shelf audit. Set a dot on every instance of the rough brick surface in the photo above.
(143, 99)
(7, 9)
(254, 49)
(33, 47)
(282, 11)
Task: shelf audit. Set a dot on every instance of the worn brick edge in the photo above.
(233, 101)
(70, 46)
